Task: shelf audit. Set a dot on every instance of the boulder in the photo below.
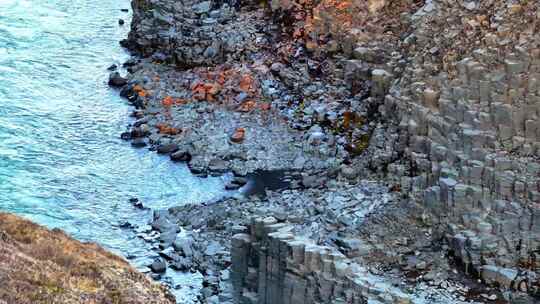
(184, 245)
(238, 136)
(182, 156)
(115, 80)
(167, 148)
(159, 265)
(138, 143)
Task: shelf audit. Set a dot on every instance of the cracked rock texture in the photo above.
(438, 99)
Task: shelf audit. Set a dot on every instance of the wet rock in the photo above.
(125, 225)
(139, 143)
(167, 237)
(168, 253)
(159, 265)
(167, 148)
(112, 67)
(138, 132)
(130, 62)
(184, 245)
(136, 203)
(161, 221)
(236, 183)
(137, 114)
(181, 156)
(232, 186)
(181, 264)
(218, 166)
(198, 166)
(128, 93)
(125, 135)
(239, 180)
(115, 80)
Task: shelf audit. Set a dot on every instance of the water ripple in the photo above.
(61, 162)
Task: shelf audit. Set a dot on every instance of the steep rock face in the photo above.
(468, 108)
(462, 110)
(42, 266)
(189, 33)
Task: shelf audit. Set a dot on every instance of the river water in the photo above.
(62, 163)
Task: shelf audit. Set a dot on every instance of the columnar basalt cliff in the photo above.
(438, 101)
(463, 92)
(468, 104)
(271, 266)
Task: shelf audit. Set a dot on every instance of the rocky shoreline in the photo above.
(243, 89)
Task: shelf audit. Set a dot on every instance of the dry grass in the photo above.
(42, 266)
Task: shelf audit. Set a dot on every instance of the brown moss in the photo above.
(42, 266)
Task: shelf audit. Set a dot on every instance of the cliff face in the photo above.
(42, 266)
(468, 104)
(461, 106)
(445, 92)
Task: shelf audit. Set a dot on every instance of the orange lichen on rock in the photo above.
(238, 135)
(328, 25)
(140, 91)
(223, 76)
(167, 129)
(247, 106)
(205, 91)
(167, 101)
(246, 83)
(265, 106)
(143, 93)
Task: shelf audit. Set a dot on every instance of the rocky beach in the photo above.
(394, 146)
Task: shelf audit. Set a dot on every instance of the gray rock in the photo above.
(182, 264)
(181, 156)
(184, 245)
(217, 165)
(213, 248)
(167, 148)
(115, 80)
(139, 143)
(201, 8)
(159, 265)
(349, 172)
(503, 276)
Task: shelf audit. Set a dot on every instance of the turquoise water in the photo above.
(62, 163)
